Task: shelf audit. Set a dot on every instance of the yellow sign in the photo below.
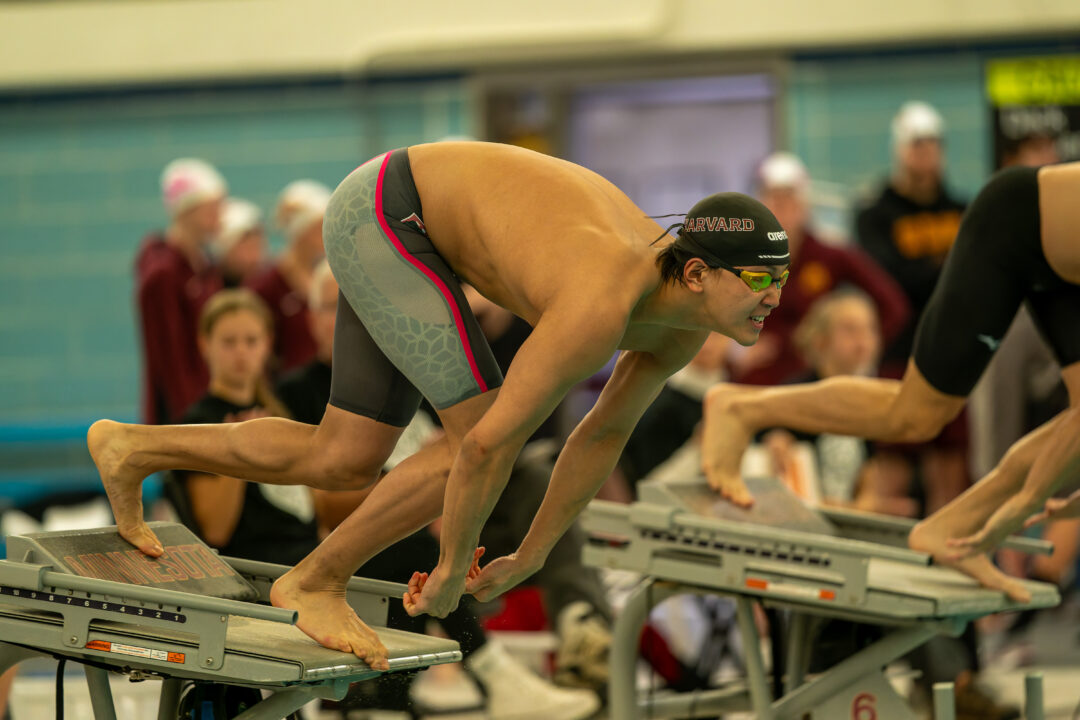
(1051, 80)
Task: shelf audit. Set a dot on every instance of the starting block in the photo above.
(90, 597)
(814, 564)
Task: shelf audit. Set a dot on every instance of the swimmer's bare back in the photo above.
(1059, 212)
(528, 230)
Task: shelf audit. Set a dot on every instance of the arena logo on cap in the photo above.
(718, 223)
(780, 236)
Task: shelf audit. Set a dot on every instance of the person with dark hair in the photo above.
(554, 243)
(241, 519)
(1030, 149)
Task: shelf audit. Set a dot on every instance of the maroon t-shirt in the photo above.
(818, 269)
(169, 295)
(293, 344)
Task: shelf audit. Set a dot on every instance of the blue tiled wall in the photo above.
(78, 190)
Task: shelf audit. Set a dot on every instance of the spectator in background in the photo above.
(240, 518)
(841, 336)
(1033, 149)
(816, 269)
(239, 250)
(912, 224)
(284, 285)
(908, 230)
(173, 279)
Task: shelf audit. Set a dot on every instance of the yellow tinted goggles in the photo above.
(756, 280)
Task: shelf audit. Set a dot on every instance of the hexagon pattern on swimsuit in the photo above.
(405, 309)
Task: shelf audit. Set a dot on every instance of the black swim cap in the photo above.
(733, 229)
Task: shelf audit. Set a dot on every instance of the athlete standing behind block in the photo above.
(1018, 242)
(554, 243)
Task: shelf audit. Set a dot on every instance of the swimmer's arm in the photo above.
(565, 348)
(594, 447)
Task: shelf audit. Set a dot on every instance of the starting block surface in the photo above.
(187, 565)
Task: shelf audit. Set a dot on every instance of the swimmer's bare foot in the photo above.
(326, 618)
(731, 487)
(111, 449)
(930, 537)
(723, 442)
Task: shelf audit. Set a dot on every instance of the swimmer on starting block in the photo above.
(554, 243)
(1019, 242)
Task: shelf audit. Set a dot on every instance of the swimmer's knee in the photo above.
(345, 473)
(917, 425)
(340, 465)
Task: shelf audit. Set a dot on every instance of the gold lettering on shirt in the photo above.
(928, 234)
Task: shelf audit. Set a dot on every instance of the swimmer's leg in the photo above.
(910, 410)
(406, 499)
(270, 450)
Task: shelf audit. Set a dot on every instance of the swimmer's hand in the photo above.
(1056, 509)
(1007, 518)
(426, 594)
(498, 576)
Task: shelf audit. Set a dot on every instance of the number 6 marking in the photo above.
(863, 707)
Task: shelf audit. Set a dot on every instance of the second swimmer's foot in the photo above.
(111, 449)
(724, 439)
(731, 488)
(329, 620)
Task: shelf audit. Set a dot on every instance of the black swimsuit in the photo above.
(996, 263)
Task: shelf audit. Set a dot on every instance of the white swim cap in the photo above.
(299, 205)
(186, 182)
(783, 170)
(916, 121)
(239, 218)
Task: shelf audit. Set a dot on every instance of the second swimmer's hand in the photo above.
(1007, 518)
(1056, 509)
(498, 576)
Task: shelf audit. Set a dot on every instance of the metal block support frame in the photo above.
(101, 698)
(1033, 697)
(944, 701)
